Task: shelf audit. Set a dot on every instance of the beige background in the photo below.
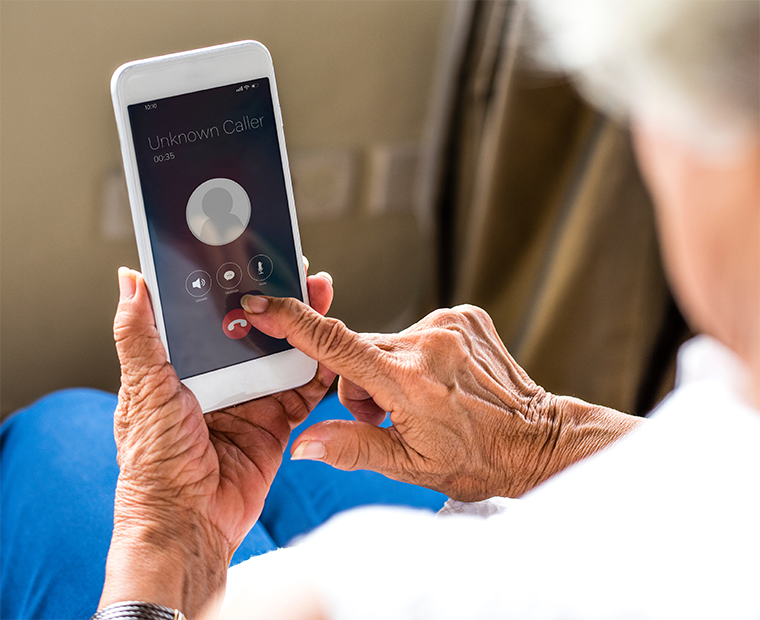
(353, 77)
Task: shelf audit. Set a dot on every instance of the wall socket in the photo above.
(324, 182)
(394, 179)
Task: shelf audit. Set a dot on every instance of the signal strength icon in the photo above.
(239, 90)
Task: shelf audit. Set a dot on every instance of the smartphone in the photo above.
(212, 205)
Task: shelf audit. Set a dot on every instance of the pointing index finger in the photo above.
(324, 339)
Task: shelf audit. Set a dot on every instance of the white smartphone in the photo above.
(212, 205)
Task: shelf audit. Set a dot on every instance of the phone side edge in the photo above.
(134, 191)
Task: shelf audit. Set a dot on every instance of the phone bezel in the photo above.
(185, 72)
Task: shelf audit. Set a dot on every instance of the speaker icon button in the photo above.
(198, 283)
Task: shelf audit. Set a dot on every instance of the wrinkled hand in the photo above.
(467, 420)
(190, 486)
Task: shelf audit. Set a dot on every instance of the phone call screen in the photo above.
(216, 203)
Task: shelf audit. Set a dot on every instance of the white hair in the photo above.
(692, 66)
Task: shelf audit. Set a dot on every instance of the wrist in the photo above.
(559, 431)
(137, 610)
(586, 429)
(177, 562)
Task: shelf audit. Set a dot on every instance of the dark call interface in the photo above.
(218, 217)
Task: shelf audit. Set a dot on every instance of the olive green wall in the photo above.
(353, 77)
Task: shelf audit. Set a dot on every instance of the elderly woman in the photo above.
(661, 523)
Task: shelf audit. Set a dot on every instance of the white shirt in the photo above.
(663, 524)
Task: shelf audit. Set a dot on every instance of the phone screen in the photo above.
(217, 209)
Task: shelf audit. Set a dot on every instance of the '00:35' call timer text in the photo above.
(163, 157)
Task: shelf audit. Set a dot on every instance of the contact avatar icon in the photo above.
(218, 211)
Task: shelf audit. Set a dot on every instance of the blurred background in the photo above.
(432, 165)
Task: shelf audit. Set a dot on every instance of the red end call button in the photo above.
(235, 325)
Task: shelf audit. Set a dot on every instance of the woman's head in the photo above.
(689, 65)
(686, 73)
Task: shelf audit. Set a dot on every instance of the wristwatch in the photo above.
(137, 610)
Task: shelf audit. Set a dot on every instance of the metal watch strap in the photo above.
(137, 610)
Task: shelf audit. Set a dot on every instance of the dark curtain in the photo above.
(543, 220)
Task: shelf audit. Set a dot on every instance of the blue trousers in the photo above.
(58, 474)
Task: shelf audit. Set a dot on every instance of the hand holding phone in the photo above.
(190, 488)
(212, 205)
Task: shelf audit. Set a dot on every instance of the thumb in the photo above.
(145, 369)
(137, 341)
(148, 381)
(350, 445)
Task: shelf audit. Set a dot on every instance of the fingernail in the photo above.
(255, 304)
(309, 450)
(324, 274)
(305, 262)
(127, 285)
